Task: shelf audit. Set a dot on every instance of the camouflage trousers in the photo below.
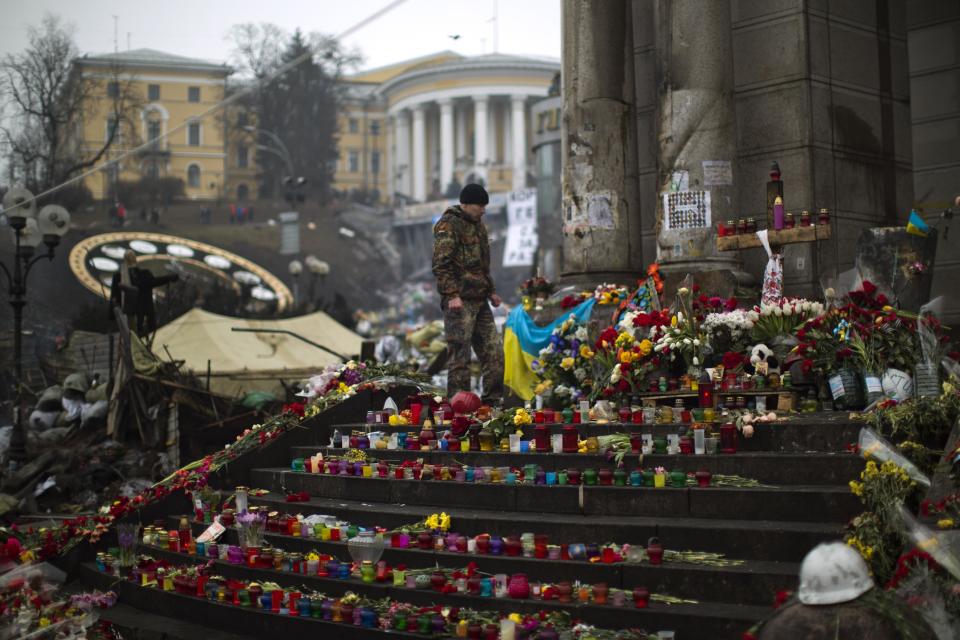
(473, 326)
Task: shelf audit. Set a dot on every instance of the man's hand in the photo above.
(495, 300)
(454, 304)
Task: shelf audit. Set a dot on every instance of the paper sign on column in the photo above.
(521, 246)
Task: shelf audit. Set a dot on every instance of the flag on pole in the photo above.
(917, 226)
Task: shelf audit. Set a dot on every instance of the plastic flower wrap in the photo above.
(565, 366)
(873, 446)
(729, 330)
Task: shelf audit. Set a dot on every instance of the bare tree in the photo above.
(46, 95)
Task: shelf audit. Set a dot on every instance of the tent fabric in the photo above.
(241, 361)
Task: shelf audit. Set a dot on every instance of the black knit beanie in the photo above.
(474, 194)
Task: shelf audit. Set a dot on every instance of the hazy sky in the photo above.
(197, 28)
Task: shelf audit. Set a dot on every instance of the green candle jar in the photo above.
(367, 571)
(400, 622)
(423, 624)
(660, 445)
(648, 477)
(678, 479)
(620, 478)
(590, 476)
(562, 477)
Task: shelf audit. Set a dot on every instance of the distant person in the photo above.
(131, 288)
(121, 215)
(155, 216)
(240, 214)
(250, 213)
(233, 213)
(112, 214)
(143, 214)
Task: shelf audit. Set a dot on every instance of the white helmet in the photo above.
(832, 573)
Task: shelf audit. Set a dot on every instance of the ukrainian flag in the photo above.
(522, 341)
(917, 226)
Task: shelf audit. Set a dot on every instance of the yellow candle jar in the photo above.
(660, 480)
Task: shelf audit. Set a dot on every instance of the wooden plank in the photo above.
(777, 238)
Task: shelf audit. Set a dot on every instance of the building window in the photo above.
(153, 134)
(353, 125)
(374, 127)
(193, 94)
(153, 92)
(354, 161)
(242, 157)
(193, 134)
(113, 89)
(193, 176)
(243, 192)
(375, 162)
(242, 119)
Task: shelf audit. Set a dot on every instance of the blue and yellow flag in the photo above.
(917, 226)
(522, 341)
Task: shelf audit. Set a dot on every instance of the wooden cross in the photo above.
(777, 239)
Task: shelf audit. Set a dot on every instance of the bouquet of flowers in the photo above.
(729, 330)
(683, 336)
(610, 294)
(650, 325)
(783, 318)
(565, 365)
(251, 525)
(624, 362)
(337, 377)
(537, 287)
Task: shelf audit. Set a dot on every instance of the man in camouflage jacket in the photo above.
(461, 264)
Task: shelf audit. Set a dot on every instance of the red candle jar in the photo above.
(605, 476)
(483, 543)
(641, 597)
(703, 478)
(564, 589)
(625, 414)
(518, 587)
(824, 217)
(637, 417)
(789, 222)
(473, 585)
(686, 445)
(425, 540)
(573, 476)
(437, 581)
(608, 556)
(576, 417)
(570, 438)
(673, 384)
(383, 469)
(512, 546)
(398, 473)
(728, 438)
(805, 218)
(540, 551)
(655, 551)
(541, 436)
(636, 443)
(538, 417)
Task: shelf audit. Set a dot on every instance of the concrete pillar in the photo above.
(419, 189)
(492, 148)
(507, 137)
(460, 133)
(696, 128)
(601, 211)
(518, 136)
(446, 143)
(481, 155)
(403, 166)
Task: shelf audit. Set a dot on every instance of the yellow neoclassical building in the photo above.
(171, 90)
(406, 130)
(411, 128)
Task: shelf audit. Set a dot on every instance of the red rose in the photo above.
(869, 288)
(730, 304)
(844, 353)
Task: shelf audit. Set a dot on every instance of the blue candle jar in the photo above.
(333, 568)
(486, 587)
(551, 478)
(201, 549)
(496, 546)
(636, 478)
(577, 551)
(344, 571)
(469, 474)
(303, 606)
(369, 618)
(266, 602)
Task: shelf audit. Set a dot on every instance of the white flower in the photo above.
(580, 373)
(787, 310)
(615, 374)
(696, 361)
(683, 291)
(679, 317)
(777, 311)
(687, 341)
(696, 342)
(581, 334)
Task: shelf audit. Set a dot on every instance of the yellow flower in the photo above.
(945, 523)
(516, 617)
(44, 622)
(566, 363)
(673, 321)
(585, 351)
(856, 488)
(444, 521)
(343, 388)
(521, 417)
(312, 556)
(646, 347)
(624, 339)
(626, 357)
(432, 521)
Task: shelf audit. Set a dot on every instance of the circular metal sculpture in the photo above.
(95, 259)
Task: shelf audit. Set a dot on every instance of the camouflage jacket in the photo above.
(461, 256)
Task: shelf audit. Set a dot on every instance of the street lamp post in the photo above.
(318, 269)
(29, 230)
(296, 268)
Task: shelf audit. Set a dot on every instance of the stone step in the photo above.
(802, 503)
(828, 431)
(785, 541)
(752, 582)
(766, 467)
(704, 619)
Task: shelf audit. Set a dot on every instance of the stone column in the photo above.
(696, 128)
(446, 143)
(419, 190)
(518, 136)
(601, 209)
(481, 155)
(460, 133)
(402, 162)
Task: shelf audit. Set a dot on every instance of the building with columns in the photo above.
(448, 119)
